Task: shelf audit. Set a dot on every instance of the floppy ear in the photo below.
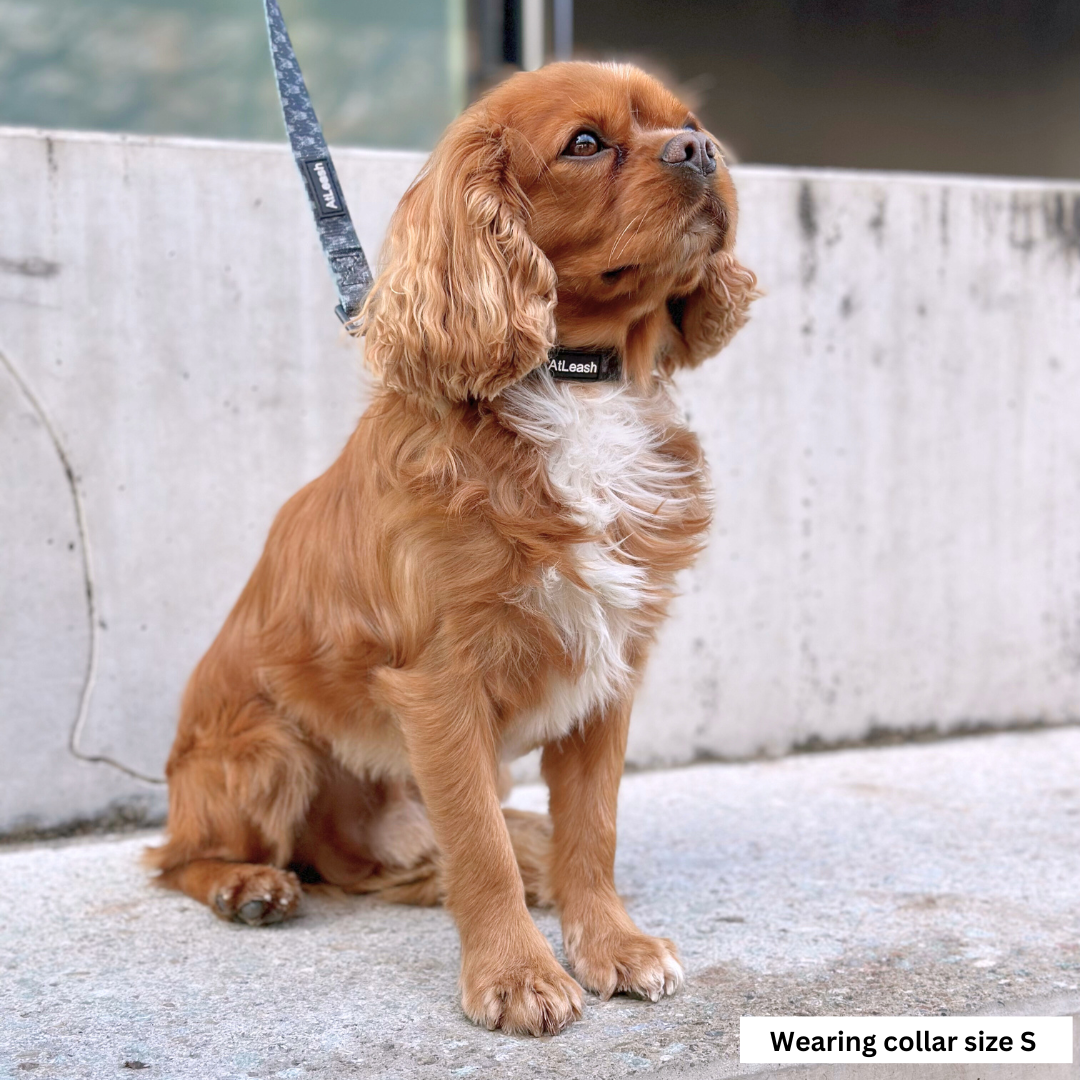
(465, 302)
(708, 318)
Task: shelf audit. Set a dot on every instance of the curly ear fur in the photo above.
(465, 302)
(706, 320)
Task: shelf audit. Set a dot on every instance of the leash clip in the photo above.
(337, 235)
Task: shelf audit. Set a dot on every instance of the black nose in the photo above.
(690, 150)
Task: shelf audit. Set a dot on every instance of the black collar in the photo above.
(585, 365)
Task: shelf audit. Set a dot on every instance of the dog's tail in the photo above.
(530, 835)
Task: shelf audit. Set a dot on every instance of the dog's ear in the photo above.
(708, 318)
(465, 301)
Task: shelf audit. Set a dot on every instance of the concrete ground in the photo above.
(921, 879)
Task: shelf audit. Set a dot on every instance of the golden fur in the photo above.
(485, 565)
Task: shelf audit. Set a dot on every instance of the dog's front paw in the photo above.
(535, 997)
(256, 895)
(622, 960)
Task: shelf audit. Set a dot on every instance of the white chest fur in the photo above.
(601, 444)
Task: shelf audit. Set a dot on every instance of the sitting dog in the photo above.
(483, 569)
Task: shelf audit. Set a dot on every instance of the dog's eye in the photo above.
(583, 144)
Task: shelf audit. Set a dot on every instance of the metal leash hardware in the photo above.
(345, 256)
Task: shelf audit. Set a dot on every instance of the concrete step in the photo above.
(920, 879)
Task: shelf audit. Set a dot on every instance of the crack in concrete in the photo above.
(90, 677)
(32, 266)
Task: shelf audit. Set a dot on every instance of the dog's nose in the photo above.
(690, 150)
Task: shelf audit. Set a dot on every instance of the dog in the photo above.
(484, 568)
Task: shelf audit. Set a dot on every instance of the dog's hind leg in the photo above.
(252, 893)
(422, 883)
(373, 836)
(366, 835)
(238, 794)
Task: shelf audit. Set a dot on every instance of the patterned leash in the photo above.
(349, 267)
(345, 256)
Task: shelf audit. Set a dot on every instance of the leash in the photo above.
(344, 255)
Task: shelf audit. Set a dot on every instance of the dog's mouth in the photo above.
(702, 233)
(702, 227)
(710, 218)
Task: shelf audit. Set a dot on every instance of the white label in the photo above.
(829, 1040)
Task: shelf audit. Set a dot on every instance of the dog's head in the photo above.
(581, 203)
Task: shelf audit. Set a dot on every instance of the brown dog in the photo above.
(483, 569)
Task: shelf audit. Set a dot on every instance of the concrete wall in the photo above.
(895, 442)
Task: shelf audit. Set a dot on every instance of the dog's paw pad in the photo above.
(257, 895)
(253, 912)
